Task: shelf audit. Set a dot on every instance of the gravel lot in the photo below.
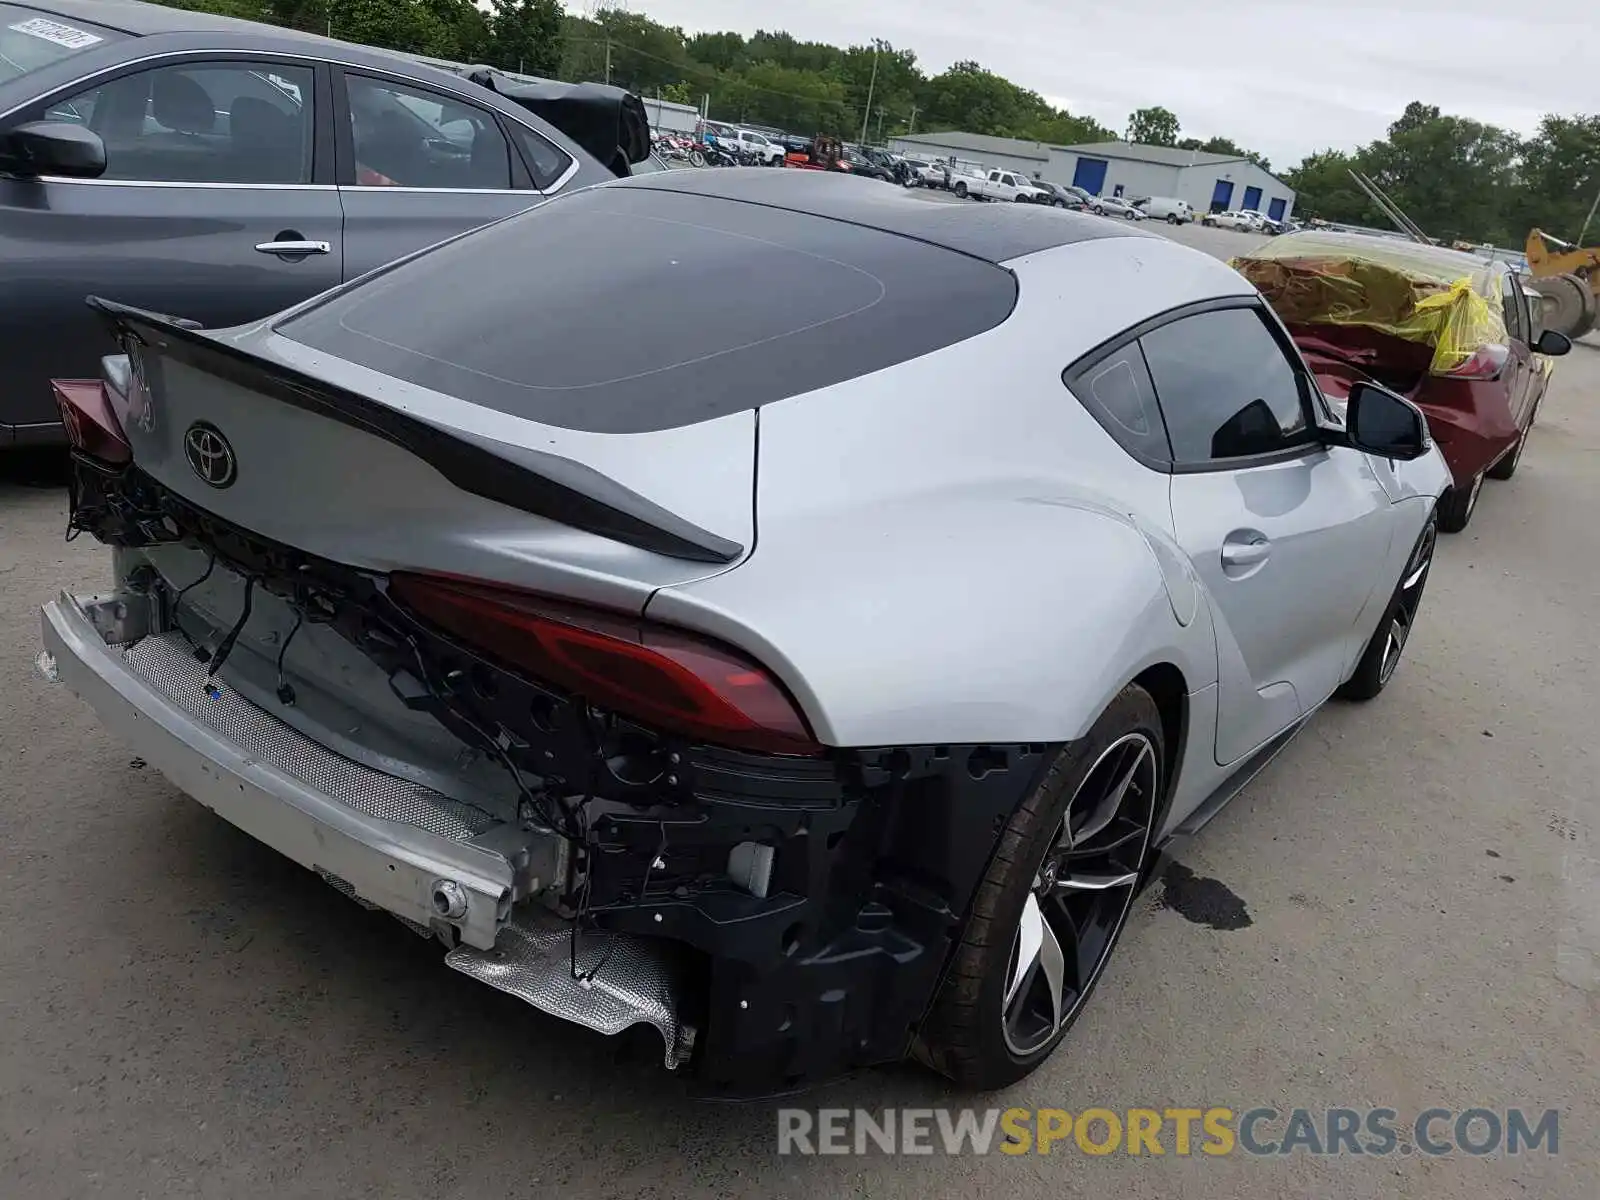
(187, 1014)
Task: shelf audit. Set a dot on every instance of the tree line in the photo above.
(1457, 178)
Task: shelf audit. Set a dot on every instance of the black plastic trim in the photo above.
(532, 481)
(323, 153)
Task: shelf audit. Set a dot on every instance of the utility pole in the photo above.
(1586, 221)
(608, 60)
(912, 127)
(866, 113)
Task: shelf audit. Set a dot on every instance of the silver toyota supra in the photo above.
(764, 606)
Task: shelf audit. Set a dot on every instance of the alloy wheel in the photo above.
(1082, 890)
(1406, 604)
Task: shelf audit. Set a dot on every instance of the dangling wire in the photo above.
(200, 651)
(285, 692)
(588, 976)
(226, 648)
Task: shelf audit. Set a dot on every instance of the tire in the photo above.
(1382, 655)
(1568, 303)
(1132, 216)
(961, 191)
(1457, 506)
(697, 158)
(1059, 203)
(978, 1035)
(1172, 219)
(1098, 211)
(1591, 304)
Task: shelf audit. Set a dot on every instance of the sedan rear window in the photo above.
(30, 39)
(628, 310)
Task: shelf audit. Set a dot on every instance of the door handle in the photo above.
(1242, 552)
(294, 247)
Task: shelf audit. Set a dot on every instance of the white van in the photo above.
(1166, 208)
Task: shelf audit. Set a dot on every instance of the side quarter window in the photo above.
(1226, 388)
(546, 161)
(1117, 392)
(1512, 300)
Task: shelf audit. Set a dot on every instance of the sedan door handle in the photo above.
(1243, 553)
(295, 247)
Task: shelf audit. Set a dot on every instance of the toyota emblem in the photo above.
(209, 455)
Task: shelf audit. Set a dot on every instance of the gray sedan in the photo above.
(1112, 206)
(245, 168)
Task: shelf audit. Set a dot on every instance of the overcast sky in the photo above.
(1284, 77)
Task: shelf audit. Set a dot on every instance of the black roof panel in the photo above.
(632, 310)
(993, 232)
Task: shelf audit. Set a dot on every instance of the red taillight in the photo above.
(656, 676)
(1486, 362)
(92, 427)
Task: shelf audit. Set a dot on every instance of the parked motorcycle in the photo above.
(709, 154)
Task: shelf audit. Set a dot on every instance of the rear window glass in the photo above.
(626, 310)
(30, 39)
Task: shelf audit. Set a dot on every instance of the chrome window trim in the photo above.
(373, 187)
(174, 183)
(211, 52)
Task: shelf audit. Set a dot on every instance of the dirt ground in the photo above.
(187, 1014)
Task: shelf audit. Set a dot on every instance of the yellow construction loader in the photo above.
(1568, 277)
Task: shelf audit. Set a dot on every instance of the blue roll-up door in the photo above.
(1090, 175)
(1221, 196)
(1252, 199)
(1275, 209)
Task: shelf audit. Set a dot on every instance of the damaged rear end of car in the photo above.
(388, 611)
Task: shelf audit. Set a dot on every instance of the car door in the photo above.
(418, 165)
(1522, 372)
(1286, 532)
(217, 204)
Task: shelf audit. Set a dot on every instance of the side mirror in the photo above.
(53, 148)
(1552, 342)
(1382, 423)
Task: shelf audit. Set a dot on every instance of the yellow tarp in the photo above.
(1400, 288)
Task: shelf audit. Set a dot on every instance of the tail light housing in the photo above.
(91, 424)
(661, 677)
(1486, 362)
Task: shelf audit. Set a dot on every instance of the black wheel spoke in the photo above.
(1123, 834)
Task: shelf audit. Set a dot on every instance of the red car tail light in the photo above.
(663, 677)
(1486, 362)
(92, 426)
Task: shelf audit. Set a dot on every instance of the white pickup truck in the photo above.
(999, 185)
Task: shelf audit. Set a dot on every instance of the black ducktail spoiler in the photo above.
(532, 481)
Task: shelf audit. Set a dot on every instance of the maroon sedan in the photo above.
(1449, 331)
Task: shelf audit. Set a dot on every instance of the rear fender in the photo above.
(1013, 616)
(1471, 421)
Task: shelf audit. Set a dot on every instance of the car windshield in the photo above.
(29, 40)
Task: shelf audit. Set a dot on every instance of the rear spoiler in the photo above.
(609, 122)
(532, 481)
